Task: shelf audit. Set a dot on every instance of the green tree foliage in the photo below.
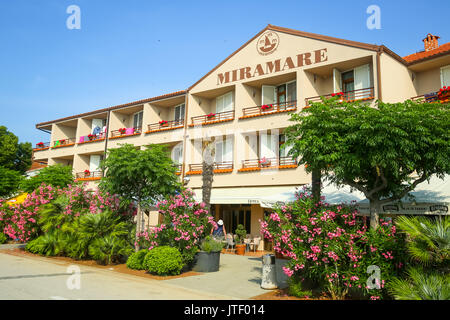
(136, 260)
(139, 176)
(56, 175)
(14, 155)
(10, 181)
(383, 151)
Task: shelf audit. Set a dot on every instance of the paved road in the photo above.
(36, 278)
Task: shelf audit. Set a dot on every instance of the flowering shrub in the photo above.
(185, 224)
(338, 94)
(210, 115)
(443, 92)
(20, 222)
(163, 122)
(331, 246)
(122, 130)
(266, 107)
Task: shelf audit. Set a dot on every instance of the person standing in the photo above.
(219, 232)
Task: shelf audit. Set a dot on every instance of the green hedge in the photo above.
(3, 238)
(164, 260)
(136, 260)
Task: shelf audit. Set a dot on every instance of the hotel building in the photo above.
(243, 106)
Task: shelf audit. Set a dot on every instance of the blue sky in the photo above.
(135, 49)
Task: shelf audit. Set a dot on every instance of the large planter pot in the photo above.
(206, 261)
(240, 249)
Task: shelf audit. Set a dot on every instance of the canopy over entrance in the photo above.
(428, 198)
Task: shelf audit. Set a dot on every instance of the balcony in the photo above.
(212, 118)
(42, 146)
(349, 96)
(125, 132)
(92, 138)
(269, 109)
(268, 163)
(88, 176)
(63, 143)
(165, 125)
(219, 167)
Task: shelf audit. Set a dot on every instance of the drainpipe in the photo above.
(107, 136)
(184, 136)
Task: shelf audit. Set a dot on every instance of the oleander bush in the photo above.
(163, 261)
(185, 224)
(331, 246)
(136, 260)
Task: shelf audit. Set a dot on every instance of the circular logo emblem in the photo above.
(267, 43)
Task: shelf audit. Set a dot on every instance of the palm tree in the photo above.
(207, 171)
(429, 246)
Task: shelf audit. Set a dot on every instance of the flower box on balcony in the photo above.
(267, 107)
(211, 116)
(122, 130)
(164, 123)
(444, 93)
(91, 137)
(87, 173)
(40, 145)
(264, 162)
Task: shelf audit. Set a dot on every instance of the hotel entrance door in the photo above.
(235, 214)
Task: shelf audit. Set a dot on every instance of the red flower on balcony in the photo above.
(87, 173)
(338, 94)
(91, 136)
(444, 93)
(264, 161)
(122, 130)
(163, 122)
(211, 115)
(266, 107)
(40, 145)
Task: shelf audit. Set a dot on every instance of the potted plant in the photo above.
(267, 107)
(87, 173)
(211, 116)
(264, 162)
(208, 258)
(122, 130)
(240, 236)
(40, 145)
(163, 123)
(91, 137)
(444, 93)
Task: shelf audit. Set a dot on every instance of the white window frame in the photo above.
(222, 108)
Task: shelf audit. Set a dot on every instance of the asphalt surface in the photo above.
(23, 278)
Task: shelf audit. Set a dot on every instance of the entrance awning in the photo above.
(266, 197)
(428, 198)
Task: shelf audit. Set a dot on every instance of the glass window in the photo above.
(137, 119)
(179, 112)
(292, 91)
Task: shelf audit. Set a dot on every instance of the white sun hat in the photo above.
(220, 222)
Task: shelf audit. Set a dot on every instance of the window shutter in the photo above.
(445, 76)
(177, 154)
(268, 95)
(228, 151)
(337, 81)
(291, 91)
(219, 104)
(362, 77)
(94, 162)
(228, 102)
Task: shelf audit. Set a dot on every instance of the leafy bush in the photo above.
(211, 245)
(241, 233)
(296, 287)
(163, 260)
(48, 245)
(3, 238)
(136, 260)
(185, 224)
(421, 285)
(9, 181)
(331, 246)
(57, 176)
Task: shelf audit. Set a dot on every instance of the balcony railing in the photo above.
(94, 175)
(92, 138)
(125, 133)
(427, 97)
(212, 118)
(63, 143)
(174, 124)
(42, 146)
(178, 167)
(359, 94)
(268, 109)
(219, 167)
(268, 163)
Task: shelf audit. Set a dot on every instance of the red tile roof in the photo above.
(418, 56)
